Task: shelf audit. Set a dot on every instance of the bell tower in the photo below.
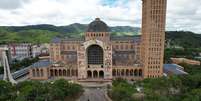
(153, 36)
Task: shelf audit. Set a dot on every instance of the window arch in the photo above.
(89, 74)
(34, 72)
(101, 74)
(41, 71)
(38, 72)
(95, 54)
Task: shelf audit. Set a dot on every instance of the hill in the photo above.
(183, 39)
(44, 33)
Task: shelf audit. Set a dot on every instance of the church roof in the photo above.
(41, 64)
(98, 26)
(56, 40)
(135, 38)
(73, 39)
(173, 68)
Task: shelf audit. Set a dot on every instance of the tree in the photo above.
(60, 89)
(7, 91)
(122, 90)
(194, 95)
(32, 91)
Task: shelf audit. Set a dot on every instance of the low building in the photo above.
(39, 70)
(40, 50)
(20, 51)
(184, 60)
(173, 69)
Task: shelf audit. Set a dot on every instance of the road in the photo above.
(93, 94)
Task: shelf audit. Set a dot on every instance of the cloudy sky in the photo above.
(181, 14)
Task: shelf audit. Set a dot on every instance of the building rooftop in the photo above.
(135, 38)
(174, 69)
(56, 40)
(98, 26)
(74, 39)
(41, 64)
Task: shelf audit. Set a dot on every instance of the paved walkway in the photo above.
(93, 94)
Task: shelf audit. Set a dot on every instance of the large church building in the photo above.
(98, 56)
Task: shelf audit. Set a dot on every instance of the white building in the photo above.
(20, 51)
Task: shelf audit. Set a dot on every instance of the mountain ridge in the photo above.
(43, 33)
(81, 27)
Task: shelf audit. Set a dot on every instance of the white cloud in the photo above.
(63, 12)
(11, 4)
(181, 14)
(184, 15)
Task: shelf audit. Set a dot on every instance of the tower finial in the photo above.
(97, 19)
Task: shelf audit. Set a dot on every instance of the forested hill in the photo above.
(184, 39)
(44, 33)
(73, 28)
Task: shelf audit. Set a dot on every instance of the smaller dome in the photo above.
(98, 26)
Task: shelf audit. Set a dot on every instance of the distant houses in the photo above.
(185, 60)
(20, 51)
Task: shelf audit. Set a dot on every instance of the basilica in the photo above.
(98, 56)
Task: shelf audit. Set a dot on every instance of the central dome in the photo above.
(97, 26)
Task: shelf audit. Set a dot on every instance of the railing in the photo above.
(19, 73)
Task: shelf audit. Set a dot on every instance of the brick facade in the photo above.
(133, 57)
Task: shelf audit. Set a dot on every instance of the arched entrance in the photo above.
(136, 72)
(34, 72)
(101, 74)
(60, 73)
(68, 72)
(95, 55)
(127, 72)
(131, 72)
(56, 73)
(51, 72)
(113, 72)
(140, 72)
(89, 74)
(64, 72)
(95, 74)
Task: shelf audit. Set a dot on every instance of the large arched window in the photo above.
(95, 55)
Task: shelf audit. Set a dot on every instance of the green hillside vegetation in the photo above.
(31, 36)
(44, 33)
(182, 45)
(184, 38)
